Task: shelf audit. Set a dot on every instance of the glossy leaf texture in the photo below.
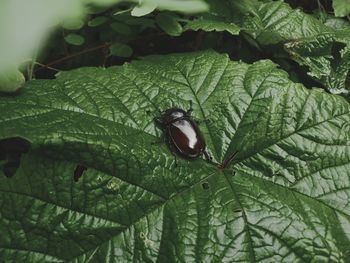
(324, 50)
(283, 198)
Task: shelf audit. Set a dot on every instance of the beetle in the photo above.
(182, 134)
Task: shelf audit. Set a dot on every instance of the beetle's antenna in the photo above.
(191, 108)
(209, 159)
(176, 163)
(158, 121)
(207, 156)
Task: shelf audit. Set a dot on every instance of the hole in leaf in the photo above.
(142, 235)
(11, 150)
(237, 210)
(78, 172)
(205, 186)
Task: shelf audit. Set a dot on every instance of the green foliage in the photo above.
(97, 21)
(37, 17)
(143, 8)
(169, 24)
(183, 6)
(219, 18)
(284, 197)
(277, 189)
(73, 24)
(341, 7)
(120, 50)
(305, 39)
(25, 25)
(74, 39)
(208, 25)
(121, 28)
(11, 80)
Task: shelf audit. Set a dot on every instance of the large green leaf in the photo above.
(305, 38)
(284, 196)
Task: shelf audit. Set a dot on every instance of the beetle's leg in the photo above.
(189, 111)
(158, 121)
(176, 163)
(207, 155)
(173, 151)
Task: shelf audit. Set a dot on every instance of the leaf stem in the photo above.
(46, 66)
(227, 161)
(31, 65)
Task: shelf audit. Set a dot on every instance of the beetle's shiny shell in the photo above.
(186, 137)
(182, 134)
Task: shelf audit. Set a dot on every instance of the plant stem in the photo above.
(76, 54)
(32, 65)
(46, 66)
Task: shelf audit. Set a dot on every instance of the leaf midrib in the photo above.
(200, 108)
(229, 152)
(197, 183)
(151, 211)
(61, 206)
(246, 222)
(71, 111)
(290, 134)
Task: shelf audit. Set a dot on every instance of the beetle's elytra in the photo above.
(182, 133)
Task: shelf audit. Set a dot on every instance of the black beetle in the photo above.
(182, 133)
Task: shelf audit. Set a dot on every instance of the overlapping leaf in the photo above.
(305, 39)
(284, 197)
(218, 18)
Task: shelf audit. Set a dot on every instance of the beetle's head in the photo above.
(168, 116)
(172, 114)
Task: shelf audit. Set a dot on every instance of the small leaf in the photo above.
(73, 24)
(11, 80)
(218, 18)
(169, 24)
(74, 39)
(122, 12)
(120, 50)
(212, 25)
(341, 7)
(143, 9)
(121, 28)
(188, 6)
(141, 21)
(97, 21)
(336, 22)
